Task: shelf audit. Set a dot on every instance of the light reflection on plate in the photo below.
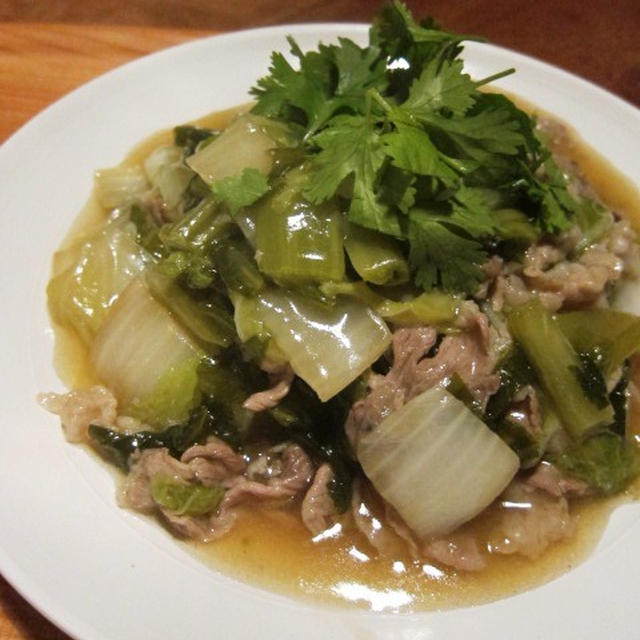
(387, 600)
(103, 573)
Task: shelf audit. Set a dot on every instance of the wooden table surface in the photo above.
(49, 48)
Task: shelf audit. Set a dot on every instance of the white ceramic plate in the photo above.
(100, 572)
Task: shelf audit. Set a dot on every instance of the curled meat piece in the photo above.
(135, 492)
(81, 408)
(510, 290)
(390, 535)
(579, 282)
(211, 464)
(459, 550)
(415, 370)
(388, 393)
(281, 379)
(214, 462)
(296, 474)
(318, 510)
(372, 521)
(549, 478)
(529, 520)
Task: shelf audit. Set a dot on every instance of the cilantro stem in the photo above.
(495, 76)
(373, 93)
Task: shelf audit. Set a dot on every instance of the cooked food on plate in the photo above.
(380, 300)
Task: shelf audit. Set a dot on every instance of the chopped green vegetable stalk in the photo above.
(297, 242)
(558, 368)
(436, 463)
(190, 241)
(615, 335)
(146, 358)
(198, 229)
(432, 308)
(377, 258)
(120, 186)
(170, 176)
(516, 227)
(245, 144)
(190, 137)
(147, 230)
(594, 222)
(81, 295)
(328, 347)
(184, 498)
(237, 268)
(211, 325)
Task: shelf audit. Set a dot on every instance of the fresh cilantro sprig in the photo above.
(242, 190)
(409, 144)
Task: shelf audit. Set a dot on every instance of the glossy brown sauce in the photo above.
(272, 548)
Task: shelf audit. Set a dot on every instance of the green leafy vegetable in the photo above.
(189, 137)
(118, 447)
(329, 80)
(184, 498)
(558, 368)
(318, 427)
(237, 192)
(298, 242)
(405, 138)
(100, 268)
(606, 462)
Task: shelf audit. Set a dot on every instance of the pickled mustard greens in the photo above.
(364, 193)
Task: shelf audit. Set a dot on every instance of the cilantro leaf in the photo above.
(358, 71)
(411, 149)
(547, 189)
(404, 138)
(240, 191)
(471, 213)
(408, 46)
(296, 94)
(311, 94)
(352, 146)
(442, 258)
(441, 85)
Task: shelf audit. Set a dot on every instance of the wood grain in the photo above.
(39, 63)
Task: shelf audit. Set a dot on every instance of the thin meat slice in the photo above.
(296, 474)
(281, 379)
(214, 462)
(459, 550)
(81, 408)
(415, 369)
(318, 510)
(529, 520)
(549, 478)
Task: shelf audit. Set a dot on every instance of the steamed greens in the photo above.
(374, 290)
